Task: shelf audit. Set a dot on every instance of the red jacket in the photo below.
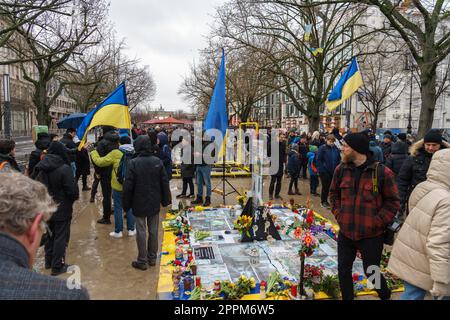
(360, 211)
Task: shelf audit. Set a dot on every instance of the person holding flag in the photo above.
(111, 113)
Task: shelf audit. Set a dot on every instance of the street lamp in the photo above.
(410, 67)
(7, 95)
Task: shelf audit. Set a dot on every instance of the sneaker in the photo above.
(116, 235)
(132, 233)
(191, 196)
(181, 196)
(104, 221)
(139, 266)
(290, 193)
(325, 205)
(60, 271)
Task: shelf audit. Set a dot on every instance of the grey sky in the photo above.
(166, 35)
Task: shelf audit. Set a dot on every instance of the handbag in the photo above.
(393, 228)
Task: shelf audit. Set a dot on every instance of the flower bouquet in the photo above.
(244, 224)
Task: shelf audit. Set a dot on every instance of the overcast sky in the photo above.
(166, 35)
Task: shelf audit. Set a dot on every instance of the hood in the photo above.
(58, 149)
(43, 143)
(127, 148)
(5, 157)
(143, 145)
(418, 147)
(111, 136)
(163, 139)
(399, 147)
(373, 144)
(50, 163)
(438, 171)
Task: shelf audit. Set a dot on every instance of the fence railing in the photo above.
(27, 133)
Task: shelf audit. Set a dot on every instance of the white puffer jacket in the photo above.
(421, 253)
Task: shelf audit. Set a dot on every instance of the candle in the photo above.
(294, 290)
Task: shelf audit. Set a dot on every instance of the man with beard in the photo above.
(364, 200)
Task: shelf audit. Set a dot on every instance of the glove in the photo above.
(440, 289)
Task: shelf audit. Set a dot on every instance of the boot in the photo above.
(290, 193)
(207, 202)
(199, 200)
(297, 192)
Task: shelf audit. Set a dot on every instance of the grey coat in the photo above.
(18, 282)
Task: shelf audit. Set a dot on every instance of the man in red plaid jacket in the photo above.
(363, 207)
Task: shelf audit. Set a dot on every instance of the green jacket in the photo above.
(111, 159)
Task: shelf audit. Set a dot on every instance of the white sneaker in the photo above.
(116, 235)
(132, 233)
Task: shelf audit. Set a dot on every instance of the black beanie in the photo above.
(433, 137)
(358, 142)
(402, 136)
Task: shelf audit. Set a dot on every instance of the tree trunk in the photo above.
(375, 123)
(40, 101)
(314, 123)
(428, 94)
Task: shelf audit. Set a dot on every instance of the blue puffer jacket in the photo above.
(165, 154)
(294, 165)
(328, 158)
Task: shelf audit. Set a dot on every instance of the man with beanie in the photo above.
(414, 169)
(328, 158)
(386, 146)
(364, 200)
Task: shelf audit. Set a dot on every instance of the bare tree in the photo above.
(383, 85)
(15, 14)
(306, 69)
(423, 26)
(58, 38)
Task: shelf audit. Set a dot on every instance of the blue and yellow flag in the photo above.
(113, 111)
(349, 83)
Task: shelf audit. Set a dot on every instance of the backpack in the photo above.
(377, 178)
(123, 166)
(4, 166)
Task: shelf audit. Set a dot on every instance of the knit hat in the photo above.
(388, 136)
(433, 137)
(402, 136)
(358, 142)
(313, 148)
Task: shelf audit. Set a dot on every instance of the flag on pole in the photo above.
(217, 117)
(349, 83)
(113, 111)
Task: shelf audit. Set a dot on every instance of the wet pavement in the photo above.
(105, 263)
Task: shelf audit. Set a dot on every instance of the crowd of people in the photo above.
(365, 183)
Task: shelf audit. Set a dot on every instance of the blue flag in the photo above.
(217, 117)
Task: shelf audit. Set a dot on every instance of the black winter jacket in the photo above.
(67, 140)
(414, 170)
(399, 154)
(61, 185)
(35, 156)
(146, 186)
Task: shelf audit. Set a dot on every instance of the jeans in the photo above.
(204, 177)
(325, 179)
(314, 183)
(73, 165)
(147, 249)
(371, 250)
(415, 293)
(118, 210)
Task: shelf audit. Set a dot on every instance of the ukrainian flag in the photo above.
(349, 83)
(113, 111)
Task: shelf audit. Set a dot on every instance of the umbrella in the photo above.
(169, 120)
(72, 121)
